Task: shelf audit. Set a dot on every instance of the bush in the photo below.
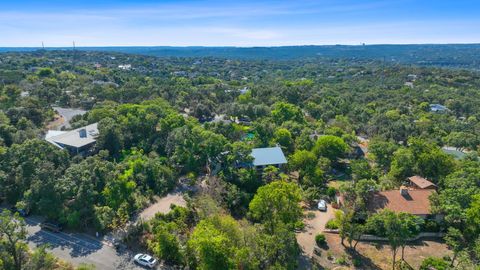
(332, 224)
(331, 192)
(342, 260)
(357, 262)
(434, 263)
(431, 226)
(310, 215)
(299, 225)
(320, 239)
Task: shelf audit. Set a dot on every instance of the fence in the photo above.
(369, 237)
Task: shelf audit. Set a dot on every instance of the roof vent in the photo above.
(83, 133)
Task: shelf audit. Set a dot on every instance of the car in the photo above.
(145, 260)
(322, 205)
(51, 226)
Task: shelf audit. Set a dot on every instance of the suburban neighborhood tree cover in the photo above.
(351, 130)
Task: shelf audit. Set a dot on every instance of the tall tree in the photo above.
(397, 228)
(331, 147)
(277, 202)
(13, 234)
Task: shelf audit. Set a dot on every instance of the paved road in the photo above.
(78, 248)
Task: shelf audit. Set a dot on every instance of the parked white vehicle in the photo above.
(322, 205)
(145, 260)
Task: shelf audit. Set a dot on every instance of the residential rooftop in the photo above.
(268, 156)
(415, 202)
(76, 138)
(421, 182)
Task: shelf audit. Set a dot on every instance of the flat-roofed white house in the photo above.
(77, 141)
(269, 156)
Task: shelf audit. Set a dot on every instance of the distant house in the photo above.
(457, 153)
(125, 66)
(418, 182)
(270, 156)
(438, 108)
(408, 84)
(77, 141)
(412, 77)
(413, 201)
(243, 91)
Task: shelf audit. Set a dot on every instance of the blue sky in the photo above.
(237, 23)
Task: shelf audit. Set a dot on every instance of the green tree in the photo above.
(13, 234)
(331, 147)
(110, 137)
(167, 246)
(283, 137)
(349, 228)
(473, 216)
(283, 112)
(277, 202)
(403, 164)
(360, 169)
(40, 259)
(382, 152)
(456, 242)
(397, 228)
(213, 243)
(303, 161)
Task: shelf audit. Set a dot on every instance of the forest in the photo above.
(164, 121)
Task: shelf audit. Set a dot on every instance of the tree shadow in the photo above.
(308, 263)
(77, 245)
(366, 263)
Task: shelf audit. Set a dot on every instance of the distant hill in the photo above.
(448, 55)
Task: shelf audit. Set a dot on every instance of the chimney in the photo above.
(83, 133)
(403, 191)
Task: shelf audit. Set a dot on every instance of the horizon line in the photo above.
(240, 47)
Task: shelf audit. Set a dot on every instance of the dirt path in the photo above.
(162, 205)
(306, 238)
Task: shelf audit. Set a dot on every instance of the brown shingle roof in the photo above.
(415, 202)
(421, 182)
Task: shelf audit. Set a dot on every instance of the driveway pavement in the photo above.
(162, 205)
(78, 248)
(306, 238)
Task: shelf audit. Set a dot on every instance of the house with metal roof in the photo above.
(77, 141)
(457, 153)
(438, 108)
(269, 156)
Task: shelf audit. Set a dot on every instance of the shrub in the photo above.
(331, 192)
(434, 263)
(320, 239)
(332, 224)
(431, 226)
(299, 225)
(342, 260)
(310, 215)
(357, 262)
